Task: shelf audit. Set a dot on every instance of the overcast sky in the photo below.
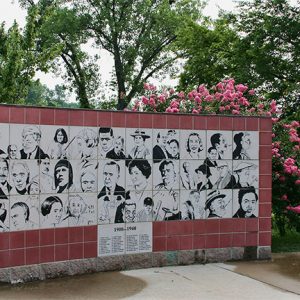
(10, 11)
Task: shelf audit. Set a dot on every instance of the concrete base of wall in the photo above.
(132, 261)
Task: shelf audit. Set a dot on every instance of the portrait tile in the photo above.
(193, 144)
(46, 173)
(193, 174)
(53, 211)
(218, 204)
(139, 174)
(55, 141)
(221, 141)
(139, 143)
(166, 175)
(111, 239)
(245, 145)
(246, 173)
(5, 183)
(106, 138)
(166, 205)
(24, 212)
(118, 147)
(245, 203)
(63, 172)
(192, 204)
(221, 176)
(4, 214)
(82, 209)
(160, 140)
(4, 141)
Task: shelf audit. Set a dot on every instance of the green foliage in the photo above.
(288, 243)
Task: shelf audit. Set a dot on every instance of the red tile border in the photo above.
(104, 118)
(265, 195)
(16, 239)
(61, 252)
(199, 241)
(61, 117)
(265, 238)
(47, 116)
(200, 122)
(265, 181)
(238, 239)
(213, 123)
(239, 225)
(32, 115)
(4, 114)
(212, 226)
(90, 250)
(186, 122)
(265, 124)
(212, 241)
(4, 259)
(199, 226)
(265, 138)
(17, 257)
(75, 234)
(61, 236)
(32, 256)
(179, 227)
(32, 238)
(252, 224)
(159, 228)
(76, 251)
(265, 224)
(173, 121)
(17, 115)
(173, 243)
(47, 237)
(159, 121)
(226, 123)
(4, 240)
(90, 233)
(226, 240)
(226, 225)
(186, 242)
(118, 119)
(265, 152)
(252, 124)
(239, 123)
(159, 243)
(251, 239)
(90, 118)
(265, 210)
(132, 120)
(265, 167)
(76, 118)
(46, 254)
(146, 121)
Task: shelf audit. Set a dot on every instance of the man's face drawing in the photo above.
(162, 141)
(244, 176)
(13, 151)
(106, 141)
(55, 213)
(45, 166)
(88, 182)
(223, 170)
(218, 207)
(174, 150)
(168, 174)
(130, 212)
(213, 155)
(3, 172)
(30, 140)
(138, 140)
(76, 206)
(118, 145)
(201, 177)
(248, 203)
(18, 217)
(62, 175)
(111, 176)
(19, 176)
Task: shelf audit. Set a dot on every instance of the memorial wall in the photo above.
(119, 176)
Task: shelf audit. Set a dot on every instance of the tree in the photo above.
(138, 34)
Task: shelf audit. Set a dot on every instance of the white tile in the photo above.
(106, 141)
(189, 178)
(4, 214)
(118, 151)
(47, 183)
(245, 145)
(5, 185)
(247, 207)
(222, 141)
(218, 204)
(192, 144)
(160, 143)
(222, 176)
(63, 176)
(192, 204)
(246, 173)
(166, 175)
(4, 139)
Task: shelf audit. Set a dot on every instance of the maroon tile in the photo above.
(265, 181)
(186, 242)
(47, 116)
(132, 120)
(17, 239)
(4, 114)
(199, 241)
(75, 234)
(265, 195)
(4, 240)
(179, 227)
(61, 236)
(212, 226)
(212, 241)
(186, 122)
(265, 210)
(200, 122)
(239, 123)
(46, 254)
(226, 240)
(17, 257)
(265, 138)
(199, 226)
(226, 123)
(173, 121)
(252, 124)
(47, 237)
(32, 115)
(118, 119)
(265, 152)
(265, 224)
(32, 238)
(90, 250)
(4, 258)
(238, 239)
(251, 224)
(159, 243)
(146, 121)
(265, 167)
(61, 252)
(32, 256)
(90, 118)
(265, 124)
(62, 117)
(76, 117)
(160, 121)
(251, 239)
(226, 225)
(159, 228)
(213, 123)
(17, 115)
(239, 225)
(265, 238)
(76, 251)
(90, 233)
(104, 118)
(173, 243)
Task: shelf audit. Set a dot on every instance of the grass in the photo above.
(288, 243)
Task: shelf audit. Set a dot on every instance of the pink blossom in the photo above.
(282, 178)
(209, 98)
(295, 124)
(260, 106)
(190, 95)
(273, 135)
(235, 112)
(181, 95)
(221, 108)
(251, 92)
(284, 197)
(252, 110)
(220, 86)
(198, 99)
(146, 86)
(152, 102)
(241, 88)
(275, 120)
(295, 209)
(227, 107)
(162, 98)
(172, 91)
(195, 111)
(145, 100)
(297, 182)
(168, 109)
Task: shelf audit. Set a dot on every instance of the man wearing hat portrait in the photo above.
(215, 204)
(242, 174)
(140, 151)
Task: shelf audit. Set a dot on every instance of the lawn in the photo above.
(288, 243)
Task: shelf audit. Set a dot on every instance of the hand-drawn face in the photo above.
(218, 207)
(195, 197)
(168, 174)
(137, 177)
(62, 175)
(106, 141)
(75, 206)
(13, 152)
(201, 177)
(18, 217)
(130, 212)
(118, 145)
(194, 144)
(223, 170)
(148, 209)
(88, 182)
(55, 213)
(244, 176)
(30, 141)
(138, 140)
(246, 142)
(3, 172)
(45, 166)
(248, 203)
(163, 139)
(213, 154)
(222, 146)
(34, 188)
(19, 176)
(60, 137)
(111, 176)
(173, 148)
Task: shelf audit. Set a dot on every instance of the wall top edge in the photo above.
(130, 112)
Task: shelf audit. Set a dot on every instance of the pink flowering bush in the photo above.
(229, 98)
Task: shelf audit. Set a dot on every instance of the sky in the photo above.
(10, 11)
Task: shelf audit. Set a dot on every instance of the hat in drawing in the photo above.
(244, 165)
(212, 197)
(142, 133)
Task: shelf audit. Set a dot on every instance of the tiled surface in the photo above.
(69, 237)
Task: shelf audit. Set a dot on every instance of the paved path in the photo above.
(241, 280)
